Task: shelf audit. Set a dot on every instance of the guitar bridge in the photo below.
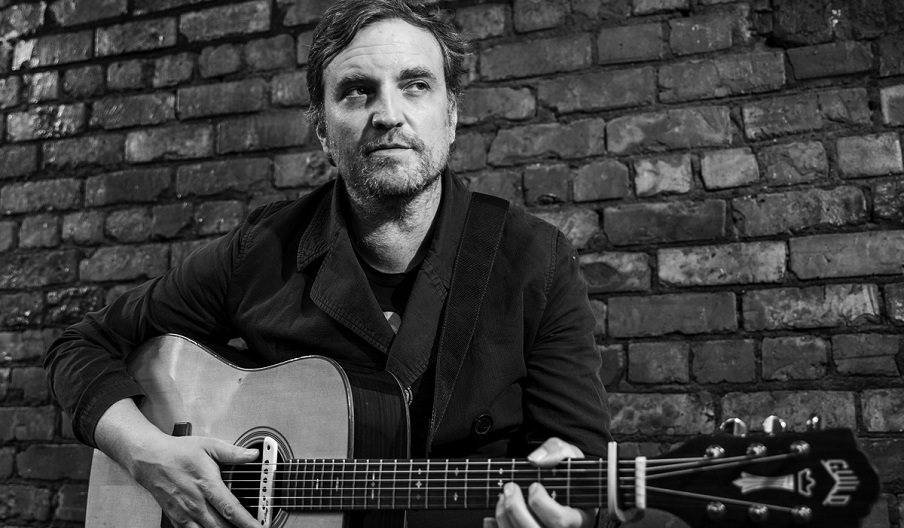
(269, 456)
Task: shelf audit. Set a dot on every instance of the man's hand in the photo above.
(540, 510)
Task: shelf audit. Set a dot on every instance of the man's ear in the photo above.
(320, 130)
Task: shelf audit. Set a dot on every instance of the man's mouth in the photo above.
(387, 146)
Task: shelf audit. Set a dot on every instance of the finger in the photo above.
(514, 509)
(554, 451)
(226, 453)
(490, 522)
(551, 513)
(501, 521)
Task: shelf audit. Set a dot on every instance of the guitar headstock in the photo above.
(818, 479)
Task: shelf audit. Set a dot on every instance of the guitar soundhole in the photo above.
(245, 482)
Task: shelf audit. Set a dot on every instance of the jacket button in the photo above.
(483, 424)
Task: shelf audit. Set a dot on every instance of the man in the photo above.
(359, 271)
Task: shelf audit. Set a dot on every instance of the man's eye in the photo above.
(418, 86)
(356, 92)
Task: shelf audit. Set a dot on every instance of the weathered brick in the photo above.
(7, 235)
(303, 47)
(578, 225)
(833, 305)
(885, 456)
(794, 358)
(671, 129)
(700, 34)
(546, 184)
(270, 53)
(802, 113)
(39, 231)
(21, 346)
(303, 11)
(888, 200)
(892, 99)
(133, 185)
(827, 60)
(729, 168)
(31, 383)
(599, 91)
(224, 98)
(135, 36)
(20, 20)
(577, 139)
(86, 150)
(84, 82)
(220, 60)
(124, 263)
(873, 155)
(127, 75)
(676, 221)
(54, 462)
(601, 180)
(83, 227)
(793, 163)
(51, 50)
(894, 302)
(836, 408)
(27, 423)
(128, 225)
(504, 184)
(482, 104)
(74, 12)
(738, 263)
(204, 179)
(218, 217)
(469, 152)
(603, 9)
(891, 55)
(18, 160)
(866, 354)
(42, 122)
(218, 22)
(35, 270)
(21, 309)
(71, 501)
(261, 131)
(173, 69)
(69, 305)
(616, 271)
(27, 503)
(10, 92)
(662, 362)
(170, 220)
(732, 361)
(42, 86)
(633, 43)
(613, 362)
(536, 57)
(7, 454)
(793, 211)
(40, 195)
(289, 89)
(532, 15)
(662, 414)
(722, 76)
(689, 313)
(848, 254)
(145, 109)
(881, 410)
(482, 21)
(646, 7)
(665, 174)
(171, 142)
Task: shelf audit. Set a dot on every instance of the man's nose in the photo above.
(387, 111)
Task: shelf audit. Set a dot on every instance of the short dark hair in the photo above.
(342, 21)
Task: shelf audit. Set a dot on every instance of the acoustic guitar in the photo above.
(334, 442)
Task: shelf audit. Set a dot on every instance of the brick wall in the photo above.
(731, 172)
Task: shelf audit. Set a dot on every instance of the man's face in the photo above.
(388, 119)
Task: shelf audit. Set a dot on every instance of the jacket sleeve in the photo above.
(564, 395)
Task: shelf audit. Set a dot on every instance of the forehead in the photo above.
(387, 47)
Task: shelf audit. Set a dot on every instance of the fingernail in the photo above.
(535, 487)
(251, 452)
(509, 489)
(538, 455)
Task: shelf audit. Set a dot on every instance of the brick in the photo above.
(894, 302)
(599, 91)
(827, 60)
(601, 180)
(270, 53)
(676, 221)
(223, 98)
(731, 361)
(27, 423)
(834, 305)
(792, 163)
(86, 150)
(577, 139)
(63, 48)
(204, 179)
(504, 184)
(616, 271)
(866, 354)
(74, 12)
(173, 70)
(671, 129)
(546, 184)
(664, 362)
(41, 195)
(171, 220)
(54, 462)
(21, 346)
(39, 231)
(134, 185)
(604, 9)
(873, 155)
(483, 104)
(885, 455)
(142, 7)
(688, 313)
(848, 254)
(803, 113)
(218, 217)
(881, 410)
(10, 92)
(21, 309)
(613, 363)
(533, 15)
(220, 60)
(42, 86)
(536, 57)
(482, 21)
(722, 76)
(128, 225)
(729, 168)
(135, 36)
(31, 383)
(126, 75)
(289, 89)
(145, 109)
(598, 308)
(303, 47)
(795, 358)
(7, 236)
(658, 414)
(836, 408)
(20, 20)
(738, 263)
(83, 82)
(262, 131)
(218, 22)
(635, 43)
(892, 99)
(888, 200)
(665, 174)
(35, 270)
(86, 227)
(42, 122)
(18, 160)
(793, 211)
(469, 152)
(69, 305)
(171, 142)
(891, 55)
(700, 34)
(122, 263)
(646, 7)
(303, 11)
(578, 225)
(71, 501)
(26, 503)
(7, 457)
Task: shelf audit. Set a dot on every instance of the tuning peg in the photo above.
(734, 427)
(773, 425)
(814, 423)
(758, 513)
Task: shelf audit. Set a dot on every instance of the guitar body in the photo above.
(308, 405)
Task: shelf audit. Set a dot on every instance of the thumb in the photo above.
(226, 453)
